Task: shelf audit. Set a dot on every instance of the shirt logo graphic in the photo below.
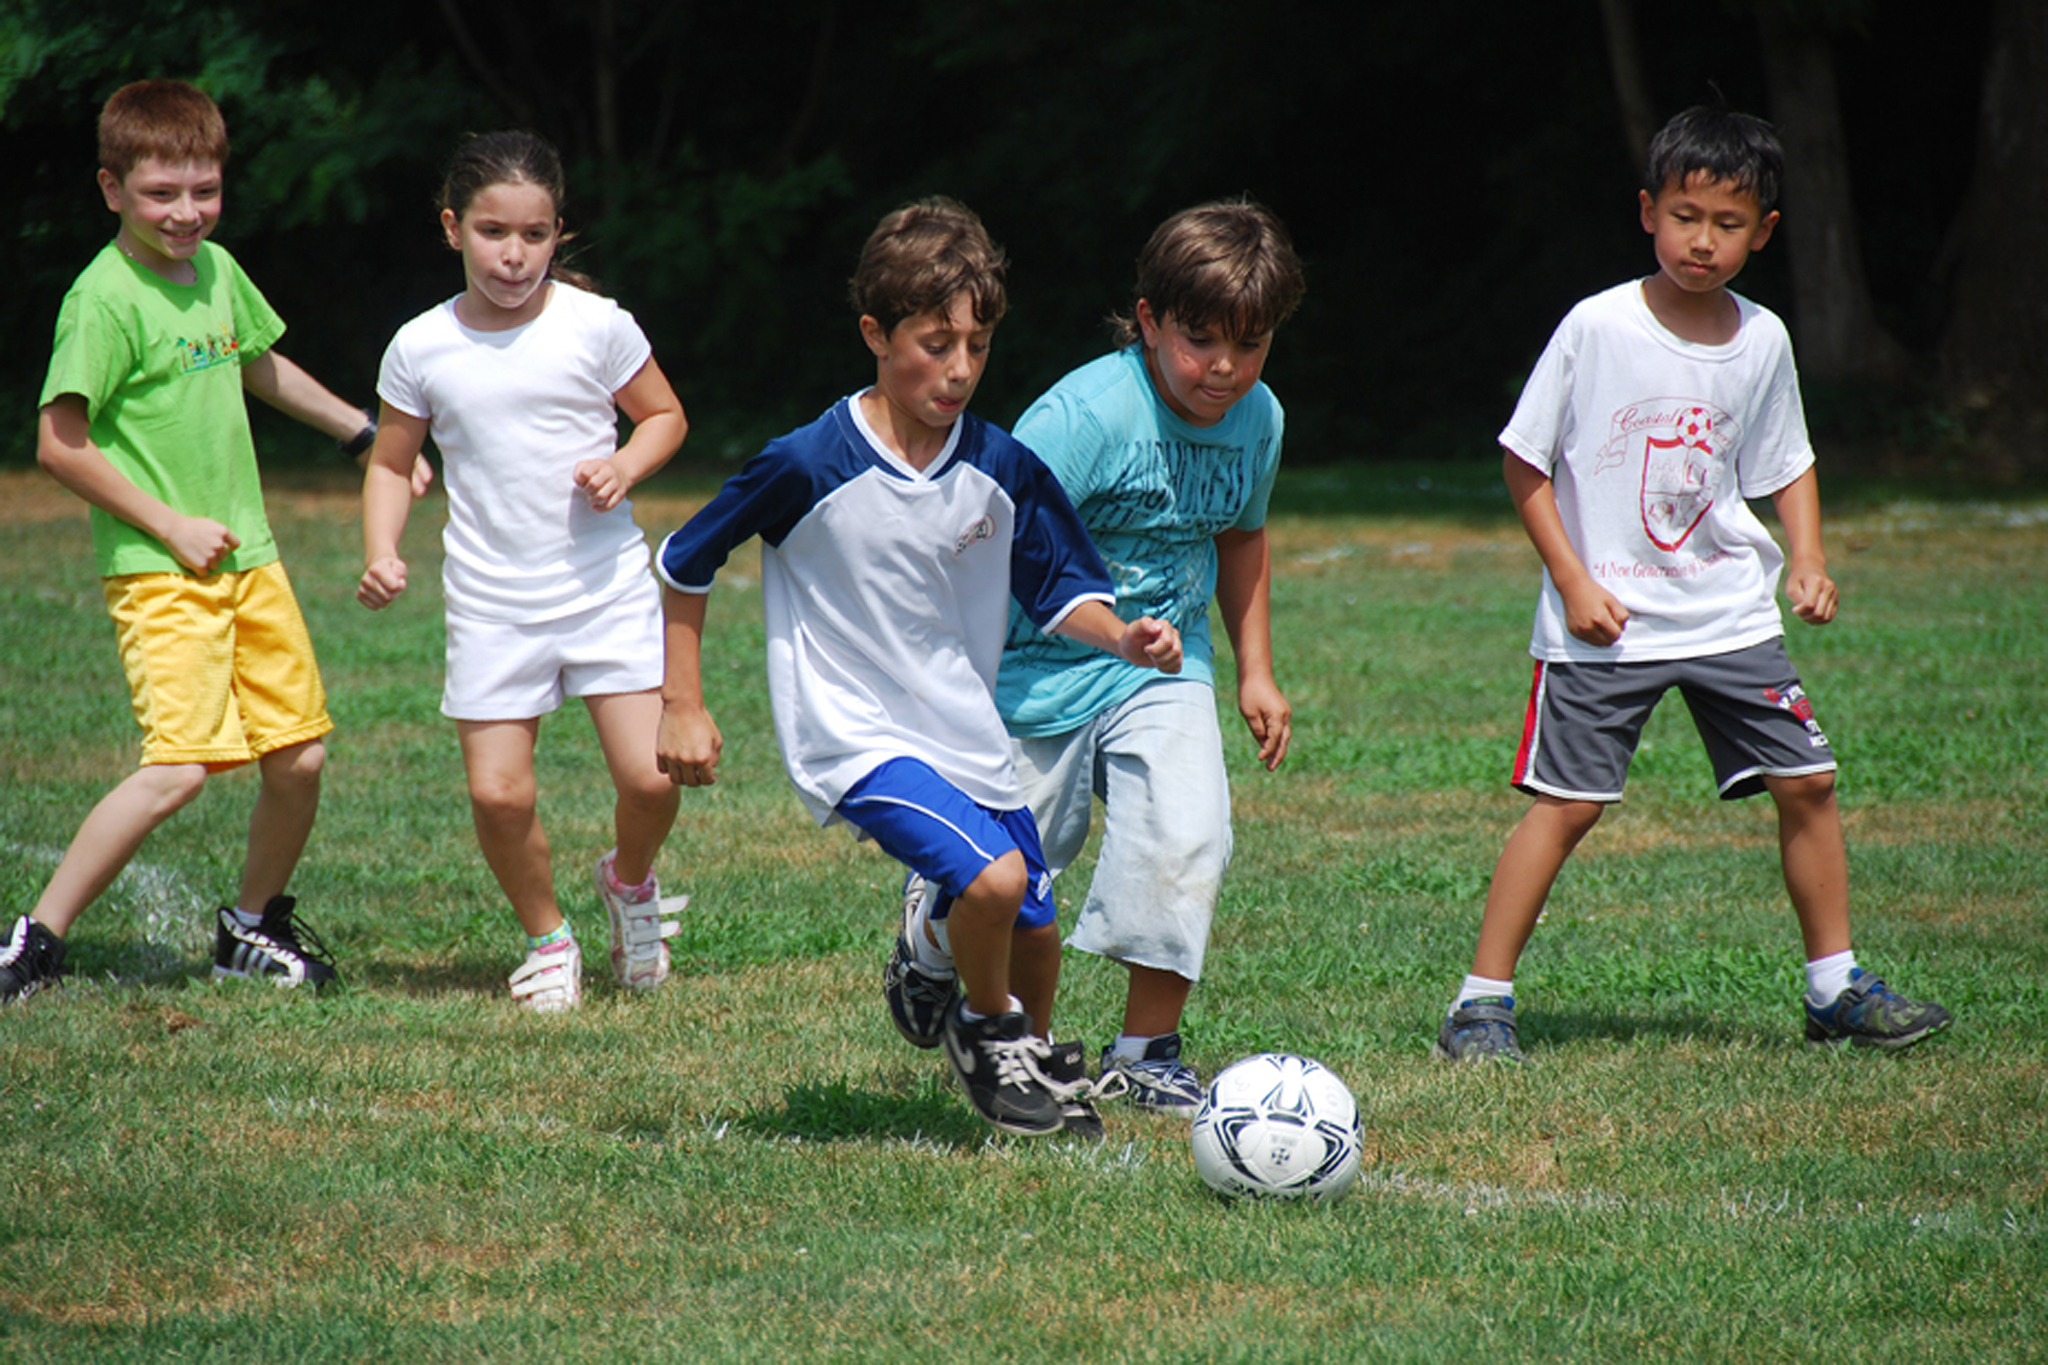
(203, 353)
(983, 529)
(1683, 445)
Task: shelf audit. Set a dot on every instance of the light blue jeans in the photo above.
(1156, 762)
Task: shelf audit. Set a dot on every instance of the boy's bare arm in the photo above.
(298, 395)
(65, 449)
(1813, 594)
(688, 744)
(1591, 613)
(1244, 595)
(1146, 642)
(388, 491)
(659, 426)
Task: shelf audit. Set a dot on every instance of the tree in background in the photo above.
(1994, 354)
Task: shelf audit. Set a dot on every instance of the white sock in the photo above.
(247, 920)
(1478, 987)
(1130, 1046)
(1827, 977)
(970, 1015)
(929, 942)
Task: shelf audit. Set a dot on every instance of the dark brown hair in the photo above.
(920, 256)
(1227, 265)
(512, 158)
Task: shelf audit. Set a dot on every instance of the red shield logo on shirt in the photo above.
(1682, 464)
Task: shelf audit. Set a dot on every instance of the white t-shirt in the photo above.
(887, 590)
(1652, 443)
(512, 414)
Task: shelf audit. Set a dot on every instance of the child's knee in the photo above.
(1807, 791)
(651, 791)
(172, 786)
(298, 765)
(502, 795)
(1001, 884)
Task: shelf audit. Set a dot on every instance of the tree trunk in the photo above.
(1631, 81)
(1834, 317)
(1994, 354)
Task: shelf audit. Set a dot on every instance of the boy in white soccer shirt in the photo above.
(897, 528)
(1657, 409)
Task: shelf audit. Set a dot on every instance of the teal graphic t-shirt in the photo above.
(1154, 492)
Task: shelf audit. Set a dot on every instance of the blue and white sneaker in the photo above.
(918, 996)
(1481, 1030)
(1869, 1013)
(1159, 1081)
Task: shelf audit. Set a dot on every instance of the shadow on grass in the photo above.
(1546, 1029)
(932, 1112)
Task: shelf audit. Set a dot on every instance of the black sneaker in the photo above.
(1481, 1030)
(1066, 1074)
(32, 959)
(1870, 1014)
(996, 1059)
(918, 997)
(282, 947)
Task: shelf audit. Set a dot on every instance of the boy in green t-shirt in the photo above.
(143, 417)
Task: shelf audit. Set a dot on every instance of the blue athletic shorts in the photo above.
(934, 829)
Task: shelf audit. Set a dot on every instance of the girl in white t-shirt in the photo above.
(520, 379)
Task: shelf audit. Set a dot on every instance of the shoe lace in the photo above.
(17, 945)
(286, 928)
(1112, 1084)
(1016, 1062)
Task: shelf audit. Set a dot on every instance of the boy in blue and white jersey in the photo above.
(897, 529)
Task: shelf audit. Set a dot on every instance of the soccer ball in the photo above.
(1277, 1126)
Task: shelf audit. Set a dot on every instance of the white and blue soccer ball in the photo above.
(1277, 1126)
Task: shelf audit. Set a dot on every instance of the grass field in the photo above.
(751, 1165)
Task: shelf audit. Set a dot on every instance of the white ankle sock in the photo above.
(1827, 977)
(1478, 987)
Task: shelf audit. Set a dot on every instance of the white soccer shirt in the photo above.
(1652, 444)
(887, 591)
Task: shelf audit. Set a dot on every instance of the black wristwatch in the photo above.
(362, 440)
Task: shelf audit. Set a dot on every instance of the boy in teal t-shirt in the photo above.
(143, 416)
(1168, 448)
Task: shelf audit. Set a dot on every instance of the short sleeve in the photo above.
(91, 357)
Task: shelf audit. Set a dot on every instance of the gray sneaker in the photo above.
(1159, 1081)
(1870, 1014)
(1481, 1030)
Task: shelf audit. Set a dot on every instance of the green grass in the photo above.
(751, 1165)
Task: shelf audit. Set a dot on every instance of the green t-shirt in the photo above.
(159, 366)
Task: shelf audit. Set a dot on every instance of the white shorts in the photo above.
(506, 670)
(1156, 761)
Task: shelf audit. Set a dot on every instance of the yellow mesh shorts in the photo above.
(220, 668)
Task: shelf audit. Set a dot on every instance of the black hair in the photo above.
(1716, 141)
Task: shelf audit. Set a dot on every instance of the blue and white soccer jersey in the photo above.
(887, 592)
